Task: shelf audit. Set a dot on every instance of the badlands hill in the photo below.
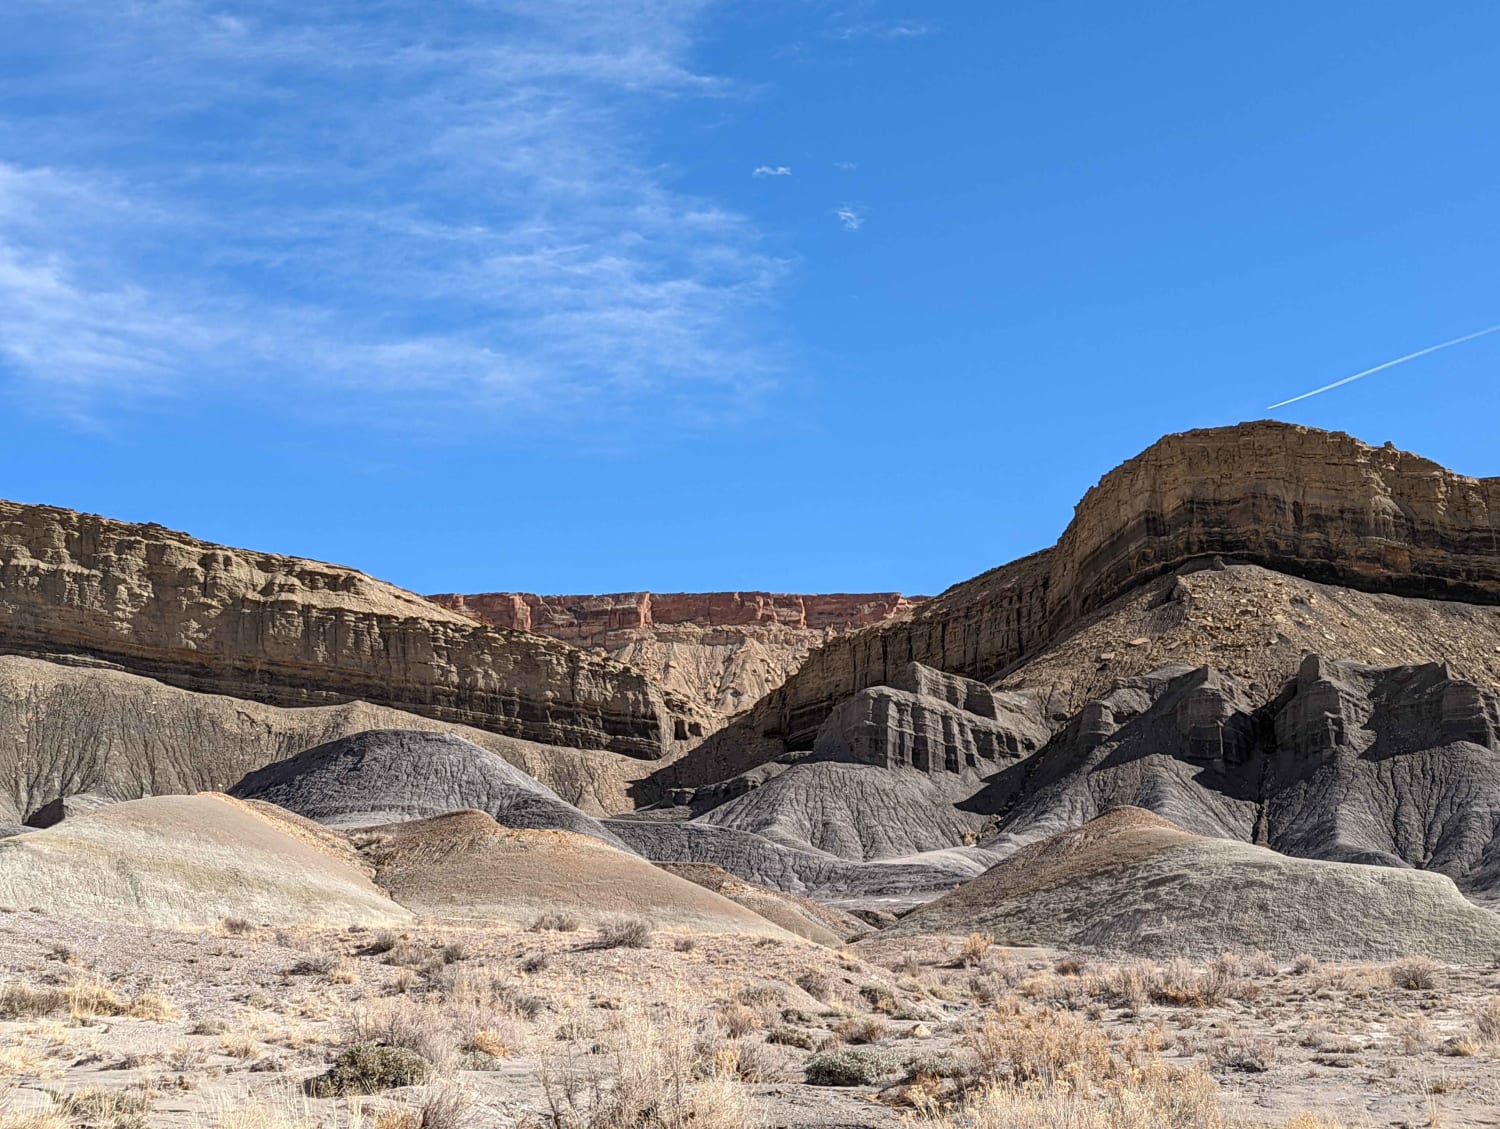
(396, 775)
(192, 860)
(464, 864)
(722, 650)
(1130, 882)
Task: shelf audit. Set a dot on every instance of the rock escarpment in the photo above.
(72, 734)
(296, 632)
(1303, 502)
(724, 650)
(933, 722)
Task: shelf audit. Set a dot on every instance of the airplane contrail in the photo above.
(1388, 364)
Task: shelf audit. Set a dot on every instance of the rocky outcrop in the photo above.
(933, 722)
(723, 650)
(1388, 766)
(295, 632)
(1309, 503)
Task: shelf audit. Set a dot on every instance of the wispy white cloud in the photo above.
(448, 205)
(849, 217)
(845, 166)
(772, 170)
(881, 30)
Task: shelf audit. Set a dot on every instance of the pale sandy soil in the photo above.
(225, 1022)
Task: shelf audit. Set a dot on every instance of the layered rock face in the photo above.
(725, 650)
(1309, 503)
(296, 632)
(934, 722)
(1388, 766)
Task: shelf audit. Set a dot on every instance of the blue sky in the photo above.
(573, 295)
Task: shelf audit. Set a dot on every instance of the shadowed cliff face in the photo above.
(295, 632)
(722, 650)
(1303, 502)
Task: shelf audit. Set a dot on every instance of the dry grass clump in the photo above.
(235, 926)
(90, 998)
(863, 1029)
(625, 933)
(151, 1005)
(737, 1019)
(815, 983)
(555, 921)
(368, 1068)
(1487, 1022)
(29, 1001)
(1043, 1047)
(976, 947)
(315, 964)
(1242, 1051)
(1414, 1034)
(1416, 974)
(659, 1074)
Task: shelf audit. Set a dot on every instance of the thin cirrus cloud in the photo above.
(413, 204)
(772, 170)
(850, 218)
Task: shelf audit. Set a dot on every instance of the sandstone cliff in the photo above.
(1309, 503)
(725, 650)
(296, 632)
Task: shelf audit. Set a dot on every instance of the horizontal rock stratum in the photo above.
(1314, 504)
(293, 632)
(724, 650)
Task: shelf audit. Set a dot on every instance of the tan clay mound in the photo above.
(464, 864)
(796, 914)
(1131, 882)
(192, 860)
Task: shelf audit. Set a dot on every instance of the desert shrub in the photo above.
(850, 1067)
(625, 933)
(1242, 1051)
(1416, 974)
(737, 1020)
(314, 964)
(1040, 1047)
(815, 983)
(367, 1068)
(1305, 963)
(1487, 1021)
(761, 995)
(27, 1001)
(383, 941)
(425, 1030)
(685, 944)
(863, 1029)
(879, 997)
(447, 1107)
(908, 965)
(976, 947)
(555, 921)
(406, 953)
(1414, 1034)
(793, 1037)
(455, 951)
(237, 925)
(535, 962)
